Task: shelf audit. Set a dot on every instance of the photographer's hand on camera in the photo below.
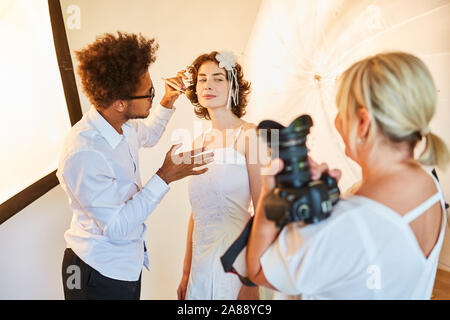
(264, 232)
(277, 165)
(318, 169)
(179, 166)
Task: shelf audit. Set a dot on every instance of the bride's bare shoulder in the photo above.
(249, 126)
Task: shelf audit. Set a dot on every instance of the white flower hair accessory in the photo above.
(228, 62)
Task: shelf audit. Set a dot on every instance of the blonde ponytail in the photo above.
(436, 152)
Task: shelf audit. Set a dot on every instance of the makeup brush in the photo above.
(174, 86)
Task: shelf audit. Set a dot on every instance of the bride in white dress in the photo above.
(221, 198)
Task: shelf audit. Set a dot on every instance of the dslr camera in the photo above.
(296, 198)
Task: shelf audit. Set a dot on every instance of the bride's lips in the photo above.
(208, 96)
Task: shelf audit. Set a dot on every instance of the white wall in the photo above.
(31, 242)
(32, 248)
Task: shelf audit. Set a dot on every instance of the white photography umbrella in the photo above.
(297, 49)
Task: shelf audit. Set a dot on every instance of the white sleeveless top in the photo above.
(365, 250)
(220, 200)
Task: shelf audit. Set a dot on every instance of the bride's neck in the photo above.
(222, 119)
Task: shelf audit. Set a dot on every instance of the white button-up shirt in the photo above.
(99, 171)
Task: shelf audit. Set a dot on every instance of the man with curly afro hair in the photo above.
(99, 168)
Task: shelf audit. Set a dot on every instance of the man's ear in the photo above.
(364, 121)
(119, 105)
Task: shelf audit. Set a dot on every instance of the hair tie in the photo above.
(425, 132)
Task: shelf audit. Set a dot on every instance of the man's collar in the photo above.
(107, 130)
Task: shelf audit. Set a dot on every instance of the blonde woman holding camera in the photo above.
(382, 242)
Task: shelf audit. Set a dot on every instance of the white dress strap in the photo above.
(203, 139)
(417, 212)
(237, 135)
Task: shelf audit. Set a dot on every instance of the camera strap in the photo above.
(233, 251)
(435, 175)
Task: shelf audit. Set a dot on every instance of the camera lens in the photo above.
(292, 149)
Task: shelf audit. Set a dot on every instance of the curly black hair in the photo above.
(244, 87)
(110, 67)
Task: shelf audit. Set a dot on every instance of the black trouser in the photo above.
(82, 282)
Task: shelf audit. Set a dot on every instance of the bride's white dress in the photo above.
(220, 200)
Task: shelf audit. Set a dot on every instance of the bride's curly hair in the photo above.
(244, 87)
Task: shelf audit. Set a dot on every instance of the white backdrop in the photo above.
(37, 102)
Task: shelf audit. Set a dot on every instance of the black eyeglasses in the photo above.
(151, 95)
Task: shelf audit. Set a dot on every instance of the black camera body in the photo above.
(296, 198)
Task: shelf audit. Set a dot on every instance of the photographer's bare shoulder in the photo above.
(394, 191)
